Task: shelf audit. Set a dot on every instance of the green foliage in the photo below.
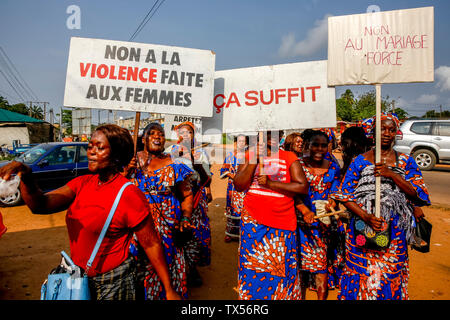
(67, 121)
(430, 114)
(351, 109)
(36, 112)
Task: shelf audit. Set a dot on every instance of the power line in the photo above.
(148, 13)
(145, 20)
(33, 95)
(7, 80)
(12, 77)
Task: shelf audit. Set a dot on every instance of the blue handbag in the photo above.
(66, 282)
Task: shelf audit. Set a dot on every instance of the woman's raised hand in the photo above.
(15, 167)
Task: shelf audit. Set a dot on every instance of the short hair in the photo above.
(306, 135)
(289, 141)
(120, 142)
(151, 126)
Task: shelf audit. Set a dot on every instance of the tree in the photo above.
(67, 121)
(401, 114)
(349, 108)
(19, 107)
(37, 112)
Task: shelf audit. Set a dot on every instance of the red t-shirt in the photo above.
(269, 207)
(87, 215)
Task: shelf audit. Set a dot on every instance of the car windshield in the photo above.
(33, 154)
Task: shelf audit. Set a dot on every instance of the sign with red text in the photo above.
(286, 96)
(129, 76)
(381, 47)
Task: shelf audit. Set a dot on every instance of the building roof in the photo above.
(9, 116)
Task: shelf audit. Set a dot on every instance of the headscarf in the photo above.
(367, 125)
(185, 123)
(329, 132)
(387, 116)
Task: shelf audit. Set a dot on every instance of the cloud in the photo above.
(427, 98)
(316, 39)
(443, 77)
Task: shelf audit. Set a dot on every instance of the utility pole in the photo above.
(440, 113)
(31, 106)
(60, 124)
(51, 116)
(45, 110)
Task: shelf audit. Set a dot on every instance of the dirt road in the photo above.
(30, 249)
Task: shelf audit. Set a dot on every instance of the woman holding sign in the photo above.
(268, 267)
(167, 189)
(318, 238)
(235, 200)
(377, 248)
(197, 250)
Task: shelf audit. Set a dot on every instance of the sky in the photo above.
(242, 33)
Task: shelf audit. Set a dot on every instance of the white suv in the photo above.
(428, 141)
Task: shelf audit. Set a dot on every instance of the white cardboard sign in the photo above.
(381, 47)
(129, 76)
(171, 121)
(286, 96)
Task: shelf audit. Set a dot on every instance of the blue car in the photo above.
(53, 165)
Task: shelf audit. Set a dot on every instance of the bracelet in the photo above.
(184, 218)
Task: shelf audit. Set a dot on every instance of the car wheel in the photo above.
(425, 159)
(12, 200)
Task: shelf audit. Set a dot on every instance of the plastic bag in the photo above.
(8, 188)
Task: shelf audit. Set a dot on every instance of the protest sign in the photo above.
(287, 96)
(381, 47)
(171, 121)
(128, 76)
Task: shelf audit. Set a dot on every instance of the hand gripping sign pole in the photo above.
(137, 120)
(378, 149)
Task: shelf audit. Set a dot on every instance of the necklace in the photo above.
(101, 183)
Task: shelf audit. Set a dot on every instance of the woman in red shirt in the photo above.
(88, 200)
(268, 251)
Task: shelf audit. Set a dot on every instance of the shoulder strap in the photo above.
(106, 225)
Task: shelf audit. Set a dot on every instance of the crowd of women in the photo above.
(288, 240)
(278, 197)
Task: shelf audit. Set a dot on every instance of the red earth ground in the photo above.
(30, 249)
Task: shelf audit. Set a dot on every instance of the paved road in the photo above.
(438, 183)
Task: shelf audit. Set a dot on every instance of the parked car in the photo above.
(53, 165)
(428, 141)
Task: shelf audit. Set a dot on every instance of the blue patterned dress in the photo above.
(268, 261)
(198, 250)
(320, 246)
(380, 274)
(158, 187)
(235, 199)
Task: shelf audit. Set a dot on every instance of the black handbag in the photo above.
(368, 238)
(180, 238)
(423, 236)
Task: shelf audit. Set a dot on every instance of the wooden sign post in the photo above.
(381, 47)
(378, 149)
